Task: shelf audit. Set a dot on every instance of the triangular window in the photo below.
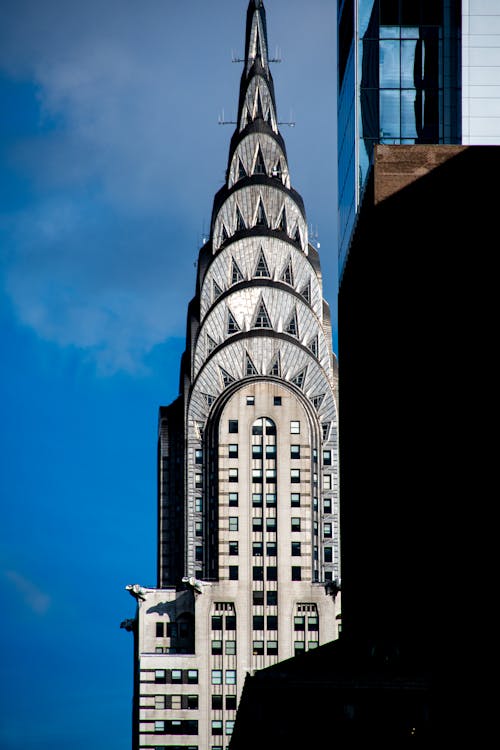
(313, 345)
(260, 167)
(262, 268)
(306, 292)
(240, 221)
(276, 366)
(216, 290)
(227, 379)
(326, 430)
(236, 274)
(259, 113)
(297, 236)
(211, 344)
(300, 378)
(269, 119)
(232, 325)
(292, 326)
(241, 170)
(287, 275)
(250, 368)
(262, 318)
(282, 224)
(261, 219)
(209, 399)
(225, 235)
(318, 400)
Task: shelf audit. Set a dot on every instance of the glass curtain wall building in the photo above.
(399, 82)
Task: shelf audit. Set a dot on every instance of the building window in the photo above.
(272, 598)
(216, 676)
(216, 647)
(230, 676)
(258, 598)
(271, 499)
(233, 450)
(295, 476)
(272, 622)
(257, 573)
(216, 702)
(160, 727)
(176, 702)
(327, 505)
(327, 482)
(295, 451)
(198, 456)
(216, 726)
(230, 622)
(233, 548)
(270, 451)
(257, 523)
(250, 400)
(328, 552)
(295, 549)
(230, 703)
(198, 528)
(216, 622)
(327, 530)
(233, 475)
(198, 504)
(327, 458)
(271, 524)
(160, 626)
(176, 675)
(160, 702)
(277, 400)
(233, 523)
(272, 648)
(272, 573)
(233, 425)
(295, 524)
(271, 476)
(294, 428)
(257, 549)
(192, 702)
(198, 483)
(313, 623)
(258, 648)
(257, 476)
(295, 499)
(271, 549)
(258, 622)
(257, 499)
(198, 554)
(299, 622)
(233, 499)
(229, 726)
(233, 572)
(299, 647)
(256, 451)
(296, 573)
(230, 648)
(192, 676)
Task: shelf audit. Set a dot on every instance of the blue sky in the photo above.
(110, 155)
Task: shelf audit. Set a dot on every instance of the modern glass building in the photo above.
(399, 82)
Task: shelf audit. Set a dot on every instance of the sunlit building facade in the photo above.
(248, 505)
(412, 72)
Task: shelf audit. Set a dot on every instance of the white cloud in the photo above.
(36, 599)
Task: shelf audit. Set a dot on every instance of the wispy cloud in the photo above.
(36, 599)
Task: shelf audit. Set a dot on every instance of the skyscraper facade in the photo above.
(412, 72)
(248, 506)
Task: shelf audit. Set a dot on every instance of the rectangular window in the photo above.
(233, 450)
(257, 476)
(312, 644)
(299, 647)
(176, 702)
(271, 549)
(270, 499)
(233, 425)
(295, 549)
(230, 622)
(272, 598)
(216, 676)
(271, 476)
(216, 647)
(229, 726)
(296, 573)
(327, 530)
(257, 523)
(230, 676)
(271, 524)
(256, 451)
(257, 573)
(230, 648)
(198, 456)
(160, 702)
(233, 548)
(230, 703)
(198, 481)
(327, 481)
(295, 499)
(257, 549)
(257, 499)
(258, 622)
(272, 648)
(328, 552)
(277, 400)
(198, 528)
(250, 400)
(327, 505)
(295, 524)
(327, 458)
(233, 523)
(198, 552)
(198, 504)
(216, 726)
(258, 598)
(233, 475)
(295, 451)
(258, 648)
(160, 727)
(192, 702)
(176, 675)
(270, 451)
(299, 622)
(216, 622)
(312, 622)
(295, 428)
(272, 622)
(216, 702)
(233, 572)
(272, 573)
(192, 676)
(295, 476)
(160, 626)
(233, 499)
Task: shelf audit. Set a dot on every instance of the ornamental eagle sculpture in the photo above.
(137, 591)
(195, 583)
